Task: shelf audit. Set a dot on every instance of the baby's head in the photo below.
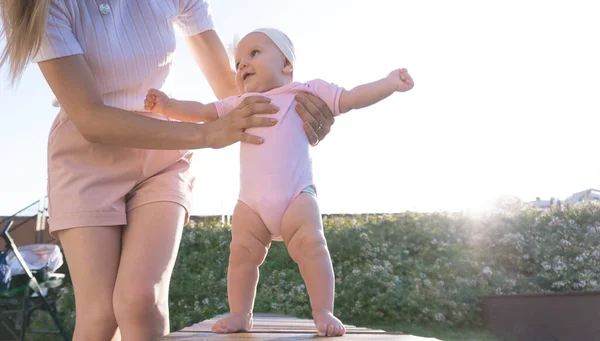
(264, 60)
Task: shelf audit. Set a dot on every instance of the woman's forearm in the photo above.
(72, 81)
(109, 125)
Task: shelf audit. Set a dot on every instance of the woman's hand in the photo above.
(317, 117)
(230, 128)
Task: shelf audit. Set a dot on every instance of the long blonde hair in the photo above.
(23, 26)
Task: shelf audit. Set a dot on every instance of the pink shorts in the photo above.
(91, 184)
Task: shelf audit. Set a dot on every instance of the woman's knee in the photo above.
(95, 321)
(138, 302)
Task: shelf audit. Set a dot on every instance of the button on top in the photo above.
(104, 8)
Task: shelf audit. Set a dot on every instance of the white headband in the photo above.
(281, 41)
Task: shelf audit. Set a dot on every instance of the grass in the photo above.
(438, 332)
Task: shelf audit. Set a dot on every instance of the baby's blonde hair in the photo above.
(23, 26)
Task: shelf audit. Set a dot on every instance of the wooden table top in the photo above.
(283, 328)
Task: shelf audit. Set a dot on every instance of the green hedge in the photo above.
(422, 268)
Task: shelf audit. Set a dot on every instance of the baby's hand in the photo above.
(401, 79)
(156, 101)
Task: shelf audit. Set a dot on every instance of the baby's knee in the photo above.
(244, 251)
(306, 244)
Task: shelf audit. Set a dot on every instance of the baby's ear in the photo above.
(288, 67)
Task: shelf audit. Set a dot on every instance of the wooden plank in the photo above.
(182, 336)
(282, 328)
(281, 324)
(269, 323)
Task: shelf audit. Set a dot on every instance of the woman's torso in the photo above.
(129, 48)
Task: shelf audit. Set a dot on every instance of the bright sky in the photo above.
(506, 102)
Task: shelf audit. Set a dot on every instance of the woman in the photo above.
(119, 180)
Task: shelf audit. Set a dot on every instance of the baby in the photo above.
(277, 198)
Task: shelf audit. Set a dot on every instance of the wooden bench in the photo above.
(283, 328)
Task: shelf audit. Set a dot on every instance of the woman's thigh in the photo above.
(93, 255)
(149, 250)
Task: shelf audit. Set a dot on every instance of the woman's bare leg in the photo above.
(150, 244)
(93, 254)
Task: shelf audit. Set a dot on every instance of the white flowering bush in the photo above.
(421, 268)
(538, 251)
(410, 267)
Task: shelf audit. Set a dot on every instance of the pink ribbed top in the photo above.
(128, 44)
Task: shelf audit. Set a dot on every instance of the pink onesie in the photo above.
(274, 173)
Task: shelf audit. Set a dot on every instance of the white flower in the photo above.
(439, 317)
(487, 271)
(565, 242)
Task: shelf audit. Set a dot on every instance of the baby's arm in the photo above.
(187, 111)
(371, 93)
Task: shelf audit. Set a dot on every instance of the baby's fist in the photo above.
(156, 101)
(401, 79)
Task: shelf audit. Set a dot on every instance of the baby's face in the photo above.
(259, 64)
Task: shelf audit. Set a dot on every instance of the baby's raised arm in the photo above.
(187, 111)
(368, 94)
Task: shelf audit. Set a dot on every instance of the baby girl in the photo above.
(278, 198)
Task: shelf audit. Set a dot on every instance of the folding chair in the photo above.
(27, 293)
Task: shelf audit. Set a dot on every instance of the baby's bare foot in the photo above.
(233, 323)
(327, 324)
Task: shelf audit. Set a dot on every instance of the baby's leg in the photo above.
(249, 245)
(302, 232)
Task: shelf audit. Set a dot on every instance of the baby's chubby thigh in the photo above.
(302, 227)
(250, 237)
